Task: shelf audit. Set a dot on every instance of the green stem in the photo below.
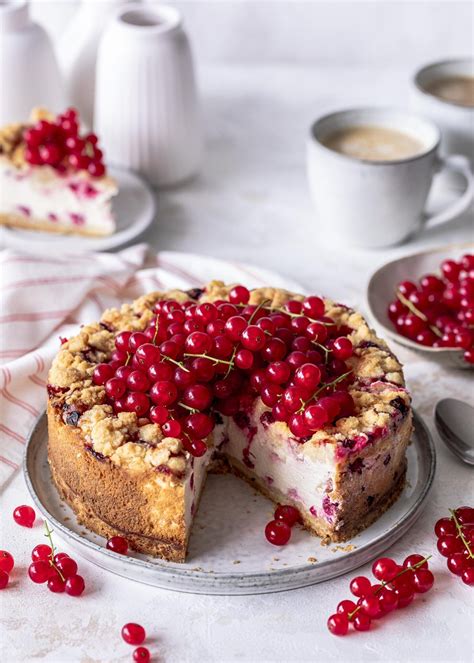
(186, 407)
(259, 306)
(176, 363)
(461, 533)
(214, 359)
(53, 548)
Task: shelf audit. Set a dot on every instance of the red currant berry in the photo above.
(136, 340)
(448, 545)
(159, 414)
(445, 527)
(415, 560)
(313, 307)
(138, 402)
(24, 515)
(141, 655)
(67, 566)
(41, 551)
(239, 295)
(404, 595)
(115, 388)
(102, 373)
(360, 586)
(388, 600)
(457, 563)
(75, 585)
(362, 621)
(197, 396)
(137, 380)
(278, 532)
(468, 576)
(465, 515)
(196, 448)
(118, 544)
(385, 569)
(423, 580)
(39, 571)
(346, 607)
(370, 606)
(308, 376)
(338, 624)
(134, 634)
(288, 514)
(342, 348)
(172, 428)
(56, 584)
(6, 561)
(253, 338)
(164, 392)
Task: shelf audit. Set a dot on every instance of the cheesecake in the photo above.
(52, 177)
(296, 395)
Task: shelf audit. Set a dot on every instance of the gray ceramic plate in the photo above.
(381, 291)
(228, 551)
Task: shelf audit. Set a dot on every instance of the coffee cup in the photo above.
(370, 171)
(444, 92)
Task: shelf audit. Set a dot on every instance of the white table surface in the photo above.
(251, 203)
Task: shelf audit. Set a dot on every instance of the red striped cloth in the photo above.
(45, 298)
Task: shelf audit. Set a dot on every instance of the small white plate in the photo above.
(134, 210)
(228, 553)
(382, 287)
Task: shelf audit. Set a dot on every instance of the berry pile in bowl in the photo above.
(426, 302)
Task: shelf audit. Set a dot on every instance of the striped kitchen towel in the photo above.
(44, 298)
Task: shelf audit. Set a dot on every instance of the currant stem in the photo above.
(186, 407)
(231, 363)
(216, 360)
(411, 307)
(258, 308)
(384, 583)
(176, 363)
(53, 548)
(300, 315)
(461, 533)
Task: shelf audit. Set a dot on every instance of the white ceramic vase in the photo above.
(77, 52)
(146, 110)
(29, 74)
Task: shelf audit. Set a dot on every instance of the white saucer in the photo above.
(134, 210)
(228, 553)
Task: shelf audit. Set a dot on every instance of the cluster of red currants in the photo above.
(456, 542)
(59, 144)
(439, 310)
(58, 570)
(278, 531)
(134, 634)
(396, 588)
(197, 359)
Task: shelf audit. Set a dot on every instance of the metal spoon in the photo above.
(455, 423)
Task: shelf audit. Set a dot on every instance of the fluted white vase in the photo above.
(146, 109)
(77, 52)
(29, 74)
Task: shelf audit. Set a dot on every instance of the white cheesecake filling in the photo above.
(194, 483)
(71, 202)
(281, 463)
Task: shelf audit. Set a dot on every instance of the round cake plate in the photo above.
(134, 210)
(228, 553)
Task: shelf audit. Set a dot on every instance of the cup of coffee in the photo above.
(444, 92)
(370, 171)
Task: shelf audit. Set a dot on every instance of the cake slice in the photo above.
(296, 395)
(53, 179)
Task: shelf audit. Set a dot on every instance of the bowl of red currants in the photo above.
(425, 301)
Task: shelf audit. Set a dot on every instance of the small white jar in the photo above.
(146, 109)
(29, 74)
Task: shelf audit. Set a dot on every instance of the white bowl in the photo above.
(381, 291)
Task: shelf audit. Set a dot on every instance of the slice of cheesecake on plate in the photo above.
(53, 179)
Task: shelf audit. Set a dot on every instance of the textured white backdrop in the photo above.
(339, 32)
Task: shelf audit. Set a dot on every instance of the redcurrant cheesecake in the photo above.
(295, 394)
(53, 179)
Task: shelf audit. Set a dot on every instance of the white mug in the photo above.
(455, 121)
(379, 203)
